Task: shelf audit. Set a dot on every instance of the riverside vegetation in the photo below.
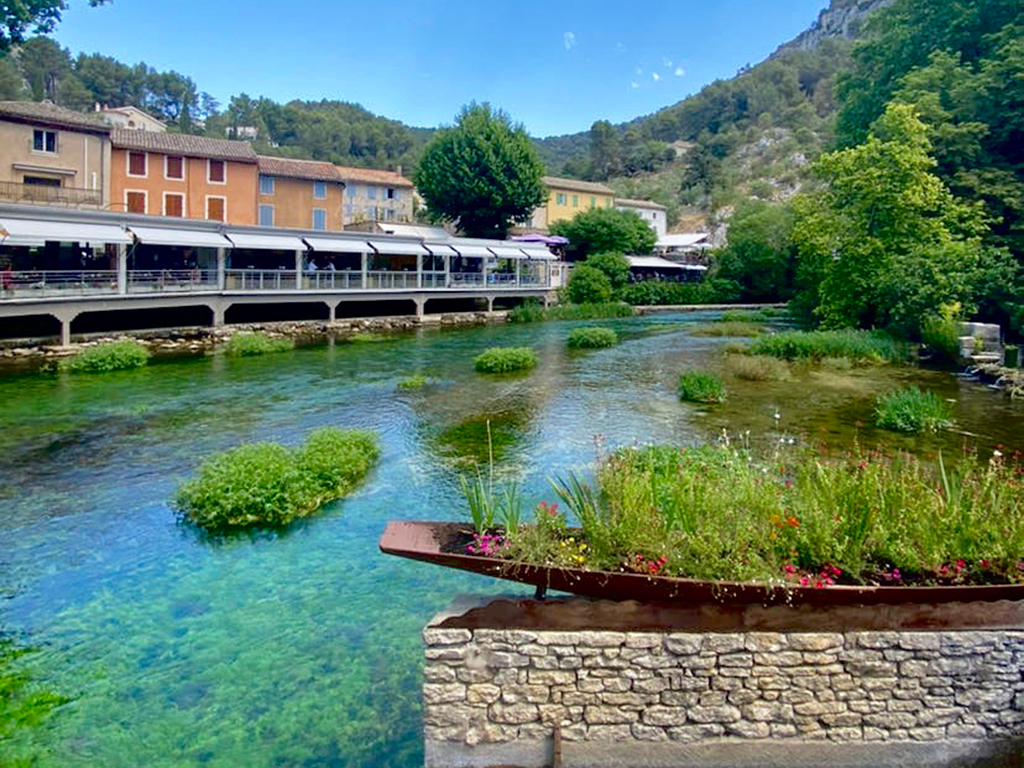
(701, 387)
(913, 410)
(794, 517)
(592, 338)
(257, 343)
(505, 360)
(268, 484)
(110, 356)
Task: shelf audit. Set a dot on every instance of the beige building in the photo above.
(131, 118)
(566, 198)
(301, 194)
(372, 195)
(53, 156)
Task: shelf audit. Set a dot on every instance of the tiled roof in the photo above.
(45, 113)
(298, 169)
(639, 203)
(183, 144)
(373, 176)
(553, 182)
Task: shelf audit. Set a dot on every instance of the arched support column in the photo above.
(218, 308)
(65, 317)
(332, 311)
(421, 304)
(490, 304)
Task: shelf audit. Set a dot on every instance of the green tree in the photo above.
(483, 173)
(16, 18)
(588, 285)
(614, 265)
(605, 152)
(605, 230)
(44, 64)
(760, 256)
(12, 87)
(884, 240)
(73, 95)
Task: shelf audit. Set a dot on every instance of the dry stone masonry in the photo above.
(491, 687)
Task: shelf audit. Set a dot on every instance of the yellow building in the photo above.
(566, 198)
(303, 194)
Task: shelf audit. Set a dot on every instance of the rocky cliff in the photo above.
(843, 19)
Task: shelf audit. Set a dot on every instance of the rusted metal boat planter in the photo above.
(432, 542)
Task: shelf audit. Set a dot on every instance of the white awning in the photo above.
(398, 248)
(266, 242)
(656, 262)
(36, 232)
(441, 249)
(472, 251)
(506, 252)
(335, 244)
(537, 253)
(192, 238)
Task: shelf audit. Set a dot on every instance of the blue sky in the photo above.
(556, 67)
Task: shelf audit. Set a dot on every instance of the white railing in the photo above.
(332, 280)
(467, 280)
(14, 285)
(390, 280)
(144, 280)
(259, 279)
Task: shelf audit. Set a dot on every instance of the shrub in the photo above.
(267, 484)
(588, 285)
(614, 265)
(659, 293)
(505, 360)
(758, 368)
(593, 338)
(911, 410)
(743, 316)
(109, 356)
(701, 387)
(836, 363)
(257, 343)
(416, 381)
(735, 348)
(941, 334)
(532, 312)
(857, 346)
(728, 329)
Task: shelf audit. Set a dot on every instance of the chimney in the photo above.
(398, 169)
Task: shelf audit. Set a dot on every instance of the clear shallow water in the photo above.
(303, 649)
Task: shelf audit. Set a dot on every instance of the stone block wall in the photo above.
(489, 694)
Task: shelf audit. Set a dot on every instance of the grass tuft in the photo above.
(257, 343)
(913, 410)
(860, 347)
(593, 338)
(701, 387)
(505, 360)
(758, 368)
(110, 356)
(728, 329)
(416, 381)
(533, 312)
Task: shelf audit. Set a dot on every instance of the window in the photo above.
(560, 198)
(350, 211)
(371, 212)
(593, 202)
(215, 208)
(389, 193)
(216, 172)
(135, 202)
(137, 164)
(575, 201)
(351, 189)
(319, 218)
(266, 215)
(40, 181)
(371, 191)
(389, 214)
(174, 204)
(44, 141)
(319, 190)
(654, 215)
(174, 167)
(266, 185)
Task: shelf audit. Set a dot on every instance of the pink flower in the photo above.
(790, 569)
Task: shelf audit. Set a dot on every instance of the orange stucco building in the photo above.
(176, 174)
(302, 194)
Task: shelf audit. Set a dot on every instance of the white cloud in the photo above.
(680, 72)
(667, 62)
(656, 76)
(620, 48)
(634, 84)
(569, 39)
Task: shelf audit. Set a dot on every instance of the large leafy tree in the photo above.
(883, 241)
(760, 256)
(605, 230)
(483, 173)
(20, 16)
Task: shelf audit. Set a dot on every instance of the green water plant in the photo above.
(533, 312)
(940, 333)
(798, 517)
(109, 356)
(737, 329)
(592, 338)
(416, 381)
(758, 368)
(505, 360)
(701, 387)
(22, 703)
(269, 484)
(913, 410)
(252, 343)
(860, 347)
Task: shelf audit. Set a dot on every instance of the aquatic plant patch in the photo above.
(913, 410)
(505, 360)
(532, 312)
(251, 344)
(22, 704)
(416, 381)
(592, 338)
(701, 387)
(860, 347)
(758, 368)
(800, 517)
(109, 356)
(737, 329)
(268, 484)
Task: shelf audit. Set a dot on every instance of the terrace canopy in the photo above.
(187, 238)
(36, 232)
(537, 254)
(266, 242)
(398, 248)
(657, 264)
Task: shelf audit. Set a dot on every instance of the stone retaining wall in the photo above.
(494, 695)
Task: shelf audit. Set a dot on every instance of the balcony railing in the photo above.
(259, 279)
(15, 285)
(143, 280)
(12, 191)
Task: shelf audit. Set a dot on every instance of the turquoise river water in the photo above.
(303, 648)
